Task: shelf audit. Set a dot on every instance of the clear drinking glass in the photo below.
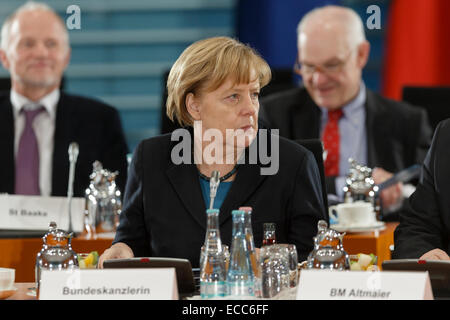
(274, 261)
(293, 264)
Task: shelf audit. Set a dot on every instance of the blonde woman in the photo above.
(213, 91)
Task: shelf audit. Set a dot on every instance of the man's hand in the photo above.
(435, 254)
(392, 195)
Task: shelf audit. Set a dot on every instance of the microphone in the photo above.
(213, 186)
(73, 155)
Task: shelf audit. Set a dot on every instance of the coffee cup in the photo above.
(7, 277)
(357, 213)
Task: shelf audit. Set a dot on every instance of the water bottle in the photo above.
(212, 268)
(251, 248)
(240, 277)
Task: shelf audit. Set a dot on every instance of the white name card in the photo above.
(363, 285)
(18, 212)
(109, 284)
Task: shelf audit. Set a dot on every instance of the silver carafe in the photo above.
(103, 202)
(328, 252)
(360, 185)
(56, 253)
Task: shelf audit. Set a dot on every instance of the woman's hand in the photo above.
(117, 251)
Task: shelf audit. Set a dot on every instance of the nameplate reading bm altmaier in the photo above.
(109, 284)
(363, 285)
(19, 212)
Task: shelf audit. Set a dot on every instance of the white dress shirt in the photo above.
(44, 128)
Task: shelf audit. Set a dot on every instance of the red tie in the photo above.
(330, 138)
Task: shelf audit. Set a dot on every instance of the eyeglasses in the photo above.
(329, 68)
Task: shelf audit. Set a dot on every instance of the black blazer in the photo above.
(164, 213)
(95, 126)
(398, 134)
(425, 222)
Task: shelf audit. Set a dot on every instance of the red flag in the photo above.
(417, 45)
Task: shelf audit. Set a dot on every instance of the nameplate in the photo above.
(18, 212)
(109, 284)
(363, 285)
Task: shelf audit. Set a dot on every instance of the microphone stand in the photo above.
(73, 155)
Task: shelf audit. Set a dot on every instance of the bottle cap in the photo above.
(269, 226)
(237, 213)
(212, 211)
(246, 209)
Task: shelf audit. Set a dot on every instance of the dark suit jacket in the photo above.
(425, 222)
(164, 213)
(398, 134)
(95, 126)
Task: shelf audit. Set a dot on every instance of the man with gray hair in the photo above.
(38, 121)
(334, 105)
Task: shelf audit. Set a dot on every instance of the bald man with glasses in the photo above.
(335, 105)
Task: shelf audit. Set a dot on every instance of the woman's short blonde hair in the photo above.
(206, 65)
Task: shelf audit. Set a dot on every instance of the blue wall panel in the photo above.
(270, 27)
(127, 53)
(116, 86)
(157, 19)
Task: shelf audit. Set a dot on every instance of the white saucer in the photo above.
(378, 225)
